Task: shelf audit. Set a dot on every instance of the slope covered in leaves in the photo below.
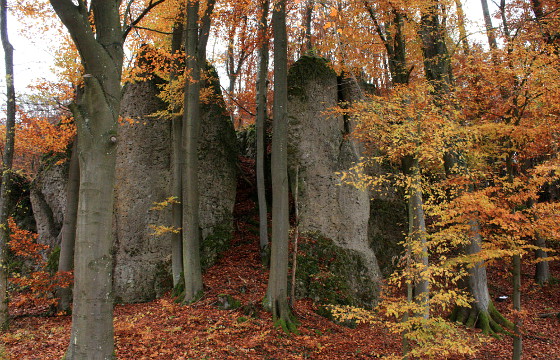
(164, 330)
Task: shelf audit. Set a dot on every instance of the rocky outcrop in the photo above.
(143, 177)
(217, 177)
(48, 201)
(387, 218)
(142, 259)
(318, 148)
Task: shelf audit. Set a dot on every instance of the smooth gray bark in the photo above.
(542, 268)
(481, 313)
(277, 292)
(191, 129)
(417, 232)
(195, 48)
(307, 26)
(68, 231)
(517, 338)
(99, 40)
(462, 28)
(177, 162)
(260, 129)
(7, 161)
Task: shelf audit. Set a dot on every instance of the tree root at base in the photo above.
(492, 322)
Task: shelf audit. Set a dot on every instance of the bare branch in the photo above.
(151, 5)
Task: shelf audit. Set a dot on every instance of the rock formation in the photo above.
(48, 201)
(318, 148)
(143, 177)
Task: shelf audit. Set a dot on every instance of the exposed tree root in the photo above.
(492, 322)
(282, 315)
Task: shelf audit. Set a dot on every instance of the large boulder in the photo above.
(143, 178)
(217, 177)
(318, 148)
(48, 201)
(143, 259)
(388, 212)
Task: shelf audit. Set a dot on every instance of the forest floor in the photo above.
(162, 329)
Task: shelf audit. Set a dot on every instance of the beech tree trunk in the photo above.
(437, 63)
(462, 28)
(191, 129)
(68, 231)
(417, 232)
(307, 26)
(395, 44)
(517, 339)
(260, 130)
(99, 37)
(542, 269)
(195, 50)
(7, 162)
(177, 162)
(482, 313)
(277, 292)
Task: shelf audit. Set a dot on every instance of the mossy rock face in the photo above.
(217, 176)
(387, 228)
(214, 244)
(330, 274)
(305, 69)
(227, 302)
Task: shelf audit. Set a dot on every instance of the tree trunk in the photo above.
(92, 315)
(542, 270)
(395, 45)
(490, 33)
(177, 162)
(551, 38)
(96, 115)
(482, 313)
(437, 63)
(307, 23)
(517, 339)
(462, 29)
(68, 231)
(196, 38)
(417, 232)
(277, 292)
(260, 129)
(191, 120)
(6, 186)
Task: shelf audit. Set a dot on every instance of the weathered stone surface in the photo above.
(142, 178)
(387, 220)
(48, 201)
(142, 260)
(217, 177)
(318, 148)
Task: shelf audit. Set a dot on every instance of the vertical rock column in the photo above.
(319, 147)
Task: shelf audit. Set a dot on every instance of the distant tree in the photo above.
(68, 231)
(7, 161)
(260, 127)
